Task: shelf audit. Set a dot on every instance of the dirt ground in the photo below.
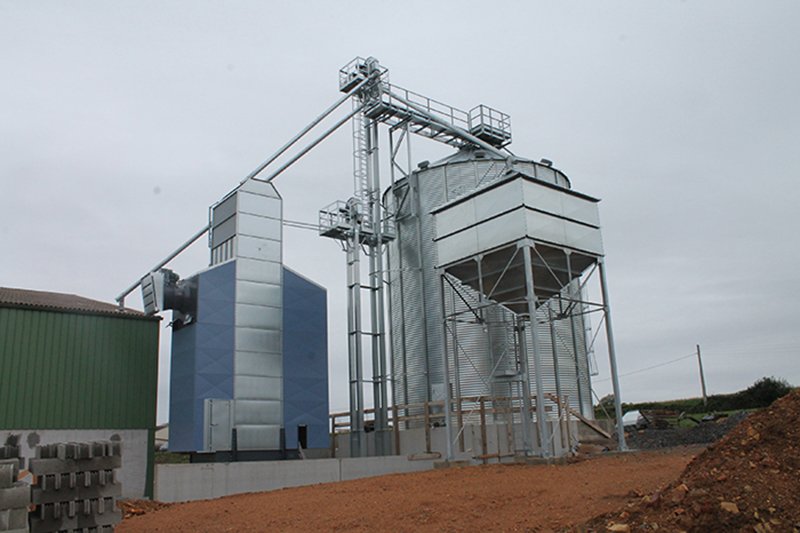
(748, 481)
(477, 498)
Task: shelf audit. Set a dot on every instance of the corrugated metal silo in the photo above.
(482, 362)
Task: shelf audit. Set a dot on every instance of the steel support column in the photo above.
(572, 331)
(525, 389)
(357, 436)
(612, 355)
(530, 296)
(448, 426)
(554, 344)
(377, 313)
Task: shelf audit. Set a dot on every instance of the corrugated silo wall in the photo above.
(417, 330)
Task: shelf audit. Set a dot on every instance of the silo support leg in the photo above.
(448, 426)
(612, 355)
(530, 296)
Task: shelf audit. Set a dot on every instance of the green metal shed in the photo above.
(76, 369)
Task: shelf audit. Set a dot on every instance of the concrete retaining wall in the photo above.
(187, 482)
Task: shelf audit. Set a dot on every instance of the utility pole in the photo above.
(702, 377)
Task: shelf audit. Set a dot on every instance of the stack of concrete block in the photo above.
(15, 496)
(75, 487)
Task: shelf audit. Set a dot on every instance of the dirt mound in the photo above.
(748, 481)
(703, 433)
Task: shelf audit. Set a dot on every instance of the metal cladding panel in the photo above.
(256, 293)
(256, 316)
(258, 363)
(66, 370)
(260, 249)
(561, 204)
(456, 218)
(224, 210)
(223, 231)
(547, 228)
(258, 387)
(513, 210)
(305, 361)
(253, 436)
(250, 272)
(259, 226)
(257, 412)
(258, 337)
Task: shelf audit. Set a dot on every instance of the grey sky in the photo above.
(120, 122)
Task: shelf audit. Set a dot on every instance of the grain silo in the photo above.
(489, 255)
(464, 226)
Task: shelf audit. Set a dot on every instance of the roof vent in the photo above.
(480, 154)
(423, 164)
(546, 162)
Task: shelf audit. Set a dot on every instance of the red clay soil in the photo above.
(478, 498)
(132, 507)
(747, 481)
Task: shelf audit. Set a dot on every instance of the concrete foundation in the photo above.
(499, 444)
(188, 482)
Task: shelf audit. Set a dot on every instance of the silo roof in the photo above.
(57, 301)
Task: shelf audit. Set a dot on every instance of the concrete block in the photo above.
(8, 451)
(14, 519)
(18, 495)
(59, 466)
(16, 463)
(91, 492)
(7, 477)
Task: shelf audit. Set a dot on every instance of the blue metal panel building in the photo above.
(202, 357)
(202, 360)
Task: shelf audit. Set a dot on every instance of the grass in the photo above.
(171, 458)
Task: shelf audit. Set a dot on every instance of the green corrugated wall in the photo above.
(61, 370)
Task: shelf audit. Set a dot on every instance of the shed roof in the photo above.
(57, 301)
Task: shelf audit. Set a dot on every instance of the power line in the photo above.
(665, 363)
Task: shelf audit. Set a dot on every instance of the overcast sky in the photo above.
(121, 122)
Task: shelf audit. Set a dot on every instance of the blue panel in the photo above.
(202, 357)
(305, 360)
(181, 390)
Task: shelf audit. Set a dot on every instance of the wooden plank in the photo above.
(590, 423)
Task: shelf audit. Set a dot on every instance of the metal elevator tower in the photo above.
(361, 223)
